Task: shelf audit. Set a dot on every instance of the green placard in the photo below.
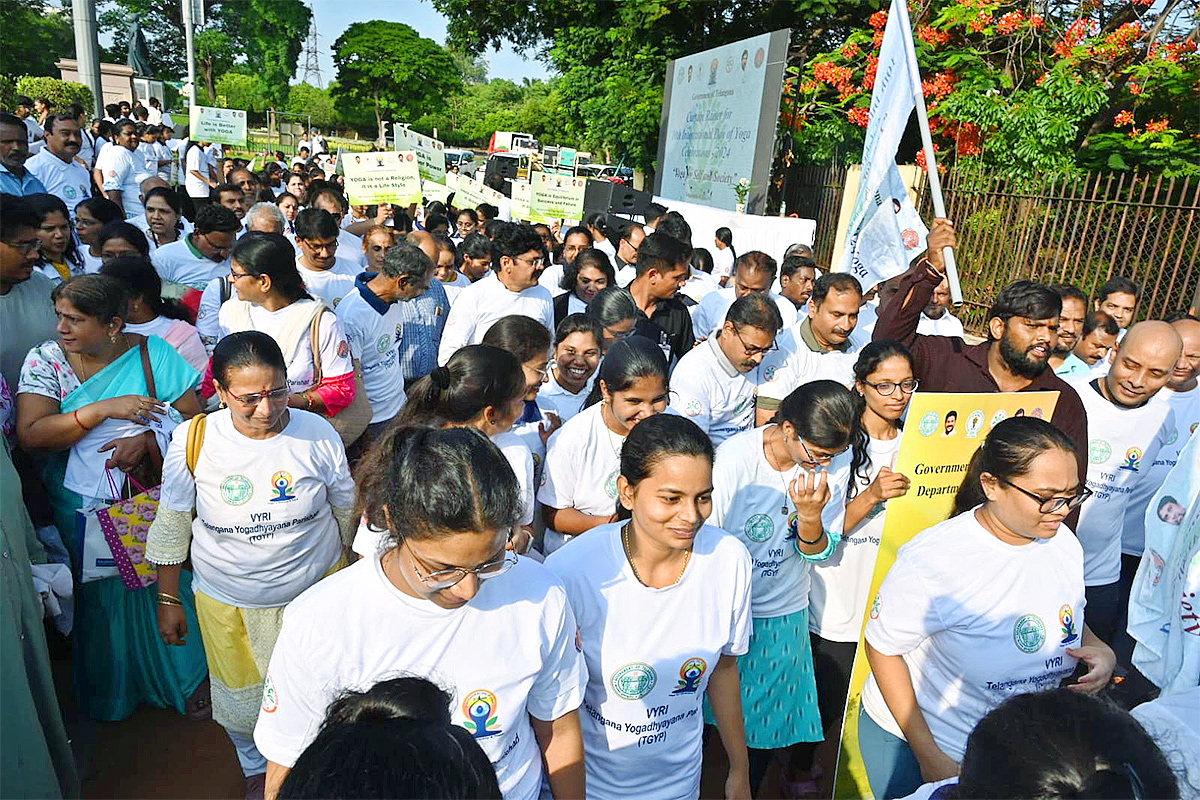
(383, 177)
(557, 196)
(223, 125)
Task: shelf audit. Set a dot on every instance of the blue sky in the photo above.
(334, 16)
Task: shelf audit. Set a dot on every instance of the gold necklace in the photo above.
(687, 554)
(83, 365)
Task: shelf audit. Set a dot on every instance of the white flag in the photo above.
(885, 232)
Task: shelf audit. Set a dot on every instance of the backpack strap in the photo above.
(195, 441)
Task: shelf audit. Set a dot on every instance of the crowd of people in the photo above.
(454, 506)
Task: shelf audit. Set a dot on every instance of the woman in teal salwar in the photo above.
(83, 401)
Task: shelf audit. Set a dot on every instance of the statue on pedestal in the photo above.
(138, 54)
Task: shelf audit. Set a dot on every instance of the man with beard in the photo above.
(1128, 427)
(936, 319)
(1070, 330)
(1022, 328)
(56, 165)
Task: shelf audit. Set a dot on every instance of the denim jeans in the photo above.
(892, 769)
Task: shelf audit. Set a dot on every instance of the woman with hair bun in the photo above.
(984, 605)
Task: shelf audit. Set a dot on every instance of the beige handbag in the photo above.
(351, 421)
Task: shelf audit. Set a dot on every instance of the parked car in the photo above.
(463, 159)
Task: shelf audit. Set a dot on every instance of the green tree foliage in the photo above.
(1107, 84)
(33, 35)
(247, 92)
(389, 67)
(304, 98)
(60, 93)
(612, 56)
(214, 55)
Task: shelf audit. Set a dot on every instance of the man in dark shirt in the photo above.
(662, 268)
(1022, 329)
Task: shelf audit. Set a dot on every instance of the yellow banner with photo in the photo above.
(471, 193)
(521, 205)
(942, 432)
(556, 197)
(382, 177)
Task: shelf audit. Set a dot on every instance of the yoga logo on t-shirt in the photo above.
(480, 710)
(689, 676)
(1133, 457)
(281, 486)
(1066, 618)
(634, 681)
(1029, 633)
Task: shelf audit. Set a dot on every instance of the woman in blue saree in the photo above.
(84, 402)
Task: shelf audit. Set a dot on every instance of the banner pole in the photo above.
(935, 183)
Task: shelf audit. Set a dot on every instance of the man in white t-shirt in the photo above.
(374, 322)
(753, 273)
(199, 173)
(327, 277)
(33, 130)
(349, 245)
(511, 288)
(714, 384)
(198, 257)
(796, 276)
(124, 170)
(936, 319)
(625, 263)
(817, 347)
(58, 166)
(1127, 427)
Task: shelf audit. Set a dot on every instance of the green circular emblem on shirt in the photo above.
(236, 490)
(384, 343)
(634, 681)
(929, 423)
(610, 485)
(1029, 633)
(69, 191)
(759, 528)
(1099, 451)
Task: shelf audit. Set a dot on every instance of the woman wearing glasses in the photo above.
(579, 488)
(273, 502)
(985, 605)
(883, 386)
(781, 489)
(444, 599)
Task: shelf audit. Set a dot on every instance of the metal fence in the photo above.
(1079, 230)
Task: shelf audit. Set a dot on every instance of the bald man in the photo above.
(1127, 428)
(423, 319)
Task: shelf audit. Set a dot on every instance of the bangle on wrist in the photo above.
(308, 399)
(168, 596)
(162, 601)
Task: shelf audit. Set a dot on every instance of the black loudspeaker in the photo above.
(597, 196)
(626, 200)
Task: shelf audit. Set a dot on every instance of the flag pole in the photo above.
(935, 185)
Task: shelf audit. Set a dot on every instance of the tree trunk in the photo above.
(209, 84)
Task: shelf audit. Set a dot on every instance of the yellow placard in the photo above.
(383, 177)
(435, 191)
(556, 196)
(943, 431)
(521, 207)
(471, 193)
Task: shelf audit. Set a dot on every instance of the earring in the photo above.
(113, 337)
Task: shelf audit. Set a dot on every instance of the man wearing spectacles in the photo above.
(625, 262)
(202, 255)
(511, 288)
(26, 313)
(327, 276)
(753, 273)
(714, 384)
(1127, 427)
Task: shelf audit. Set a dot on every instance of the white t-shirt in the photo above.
(977, 621)
(709, 315)
(583, 462)
(554, 397)
(722, 262)
(264, 529)
(708, 390)
(124, 171)
(551, 277)
(625, 274)
(196, 159)
(841, 585)
(483, 303)
(520, 458)
(748, 498)
(301, 370)
(1122, 444)
(375, 330)
(699, 285)
(455, 286)
(794, 364)
(330, 285)
(650, 653)
(181, 262)
(69, 181)
(350, 249)
(1185, 407)
(207, 316)
(508, 654)
(945, 325)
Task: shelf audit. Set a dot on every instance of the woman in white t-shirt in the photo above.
(781, 490)
(91, 216)
(445, 600)
(840, 586)
(271, 298)
(983, 606)
(481, 387)
(579, 485)
(577, 349)
(150, 314)
(583, 278)
(723, 256)
(663, 606)
(163, 221)
(273, 503)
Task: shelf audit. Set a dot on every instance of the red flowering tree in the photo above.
(1032, 88)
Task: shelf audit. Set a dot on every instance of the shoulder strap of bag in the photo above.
(146, 370)
(226, 290)
(195, 441)
(315, 335)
